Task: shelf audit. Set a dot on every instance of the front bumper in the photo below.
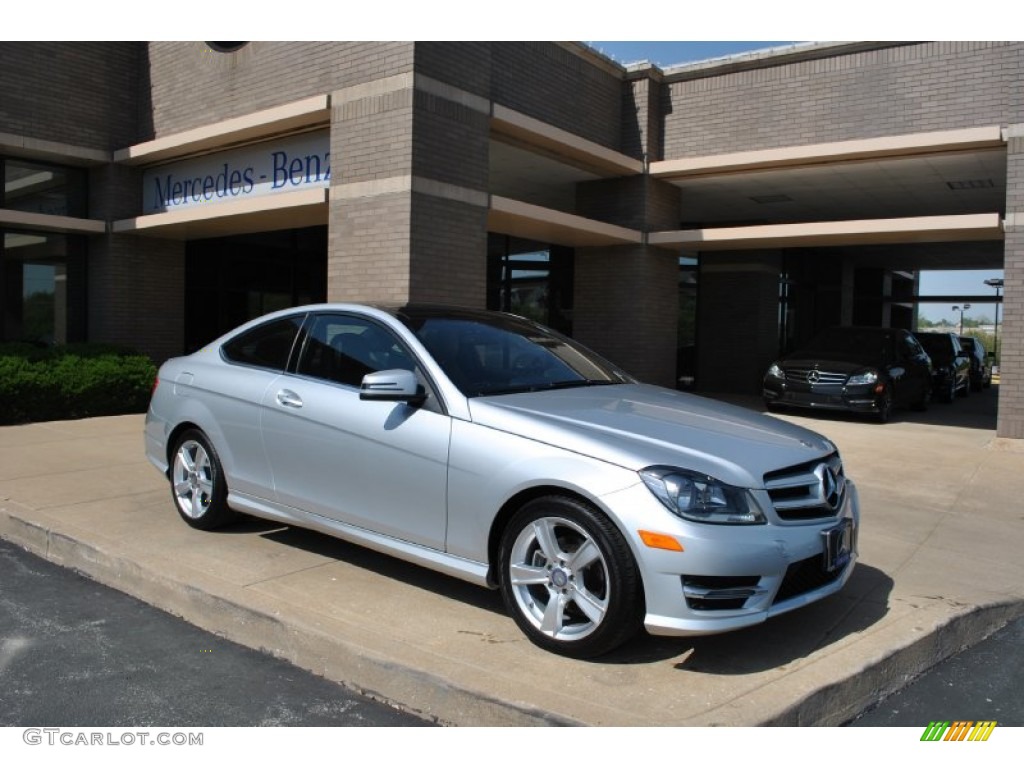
(733, 576)
(861, 398)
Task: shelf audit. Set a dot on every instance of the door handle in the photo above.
(288, 398)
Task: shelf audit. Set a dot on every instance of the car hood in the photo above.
(837, 363)
(638, 425)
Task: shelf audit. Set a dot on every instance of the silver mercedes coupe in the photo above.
(493, 449)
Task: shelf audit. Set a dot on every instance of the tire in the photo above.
(950, 394)
(885, 406)
(569, 579)
(197, 482)
(926, 397)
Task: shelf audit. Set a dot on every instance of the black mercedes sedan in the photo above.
(858, 369)
(951, 368)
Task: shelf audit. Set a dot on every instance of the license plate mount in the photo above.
(838, 546)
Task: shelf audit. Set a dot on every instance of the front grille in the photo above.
(812, 491)
(803, 376)
(805, 576)
(719, 593)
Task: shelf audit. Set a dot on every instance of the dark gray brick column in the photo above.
(136, 287)
(627, 297)
(737, 319)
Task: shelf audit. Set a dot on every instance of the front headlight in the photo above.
(697, 497)
(775, 372)
(868, 377)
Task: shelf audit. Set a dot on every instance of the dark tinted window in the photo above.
(972, 346)
(492, 354)
(266, 346)
(937, 345)
(874, 343)
(343, 348)
(909, 346)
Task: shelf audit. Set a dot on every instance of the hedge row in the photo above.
(71, 382)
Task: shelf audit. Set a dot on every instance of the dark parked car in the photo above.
(863, 370)
(981, 365)
(951, 368)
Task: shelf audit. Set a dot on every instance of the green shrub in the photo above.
(71, 382)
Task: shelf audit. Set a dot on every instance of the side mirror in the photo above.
(395, 385)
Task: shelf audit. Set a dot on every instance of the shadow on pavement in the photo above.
(773, 644)
(777, 642)
(387, 566)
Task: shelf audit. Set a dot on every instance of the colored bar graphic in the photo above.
(935, 730)
(959, 730)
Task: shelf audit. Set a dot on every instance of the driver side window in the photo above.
(343, 349)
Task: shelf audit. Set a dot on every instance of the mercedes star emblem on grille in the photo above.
(831, 484)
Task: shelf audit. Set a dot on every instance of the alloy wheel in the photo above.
(193, 479)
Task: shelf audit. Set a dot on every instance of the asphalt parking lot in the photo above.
(939, 569)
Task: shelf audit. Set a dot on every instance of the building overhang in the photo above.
(287, 118)
(67, 225)
(533, 222)
(51, 151)
(291, 210)
(568, 146)
(935, 142)
(920, 229)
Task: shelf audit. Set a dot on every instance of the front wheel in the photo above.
(885, 403)
(197, 482)
(569, 579)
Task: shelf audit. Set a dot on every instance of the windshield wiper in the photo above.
(544, 387)
(576, 383)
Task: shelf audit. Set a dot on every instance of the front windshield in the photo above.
(851, 342)
(493, 354)
(937, 345)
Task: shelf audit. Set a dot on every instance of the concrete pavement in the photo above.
(941, 568)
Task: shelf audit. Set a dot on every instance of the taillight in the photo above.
(156, 383)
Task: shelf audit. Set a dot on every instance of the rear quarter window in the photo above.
(265, 346)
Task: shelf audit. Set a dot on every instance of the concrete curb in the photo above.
(290, 633)
(842, 701)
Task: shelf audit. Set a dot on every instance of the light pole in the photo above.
(961, 311)
(997, 283)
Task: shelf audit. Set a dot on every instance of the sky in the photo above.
(666, 54)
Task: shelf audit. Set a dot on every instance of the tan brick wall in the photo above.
(1011, 337)
(889, 91)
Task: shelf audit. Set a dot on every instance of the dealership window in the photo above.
(42, 274)
(36, 187)
(229, 280)
(531, 279)
(686, 331)
(42, 287)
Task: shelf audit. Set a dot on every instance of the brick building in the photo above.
(696, 220)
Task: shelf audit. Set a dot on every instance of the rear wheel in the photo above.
(197, 482)
(926, 397)
(885, 401)
(569, 579)
(949, 392)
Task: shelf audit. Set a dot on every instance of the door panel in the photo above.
(378, 465)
